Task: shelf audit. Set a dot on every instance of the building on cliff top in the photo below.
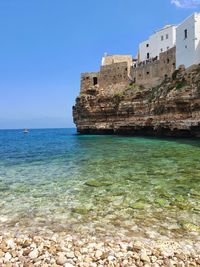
(158, 57)
(159, 42)
(188, 41)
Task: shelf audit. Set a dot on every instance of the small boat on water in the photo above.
(26, 130)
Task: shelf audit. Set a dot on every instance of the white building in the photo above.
(188, 41)
(157, 43)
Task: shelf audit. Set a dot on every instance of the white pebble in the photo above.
(33, 254)
(8, 256)
(98, 254)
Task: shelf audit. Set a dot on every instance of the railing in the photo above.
(145, 62)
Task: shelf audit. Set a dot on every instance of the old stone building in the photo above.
(150, 73)
(114, 75)
(158, 57)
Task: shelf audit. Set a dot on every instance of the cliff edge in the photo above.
(171, 108)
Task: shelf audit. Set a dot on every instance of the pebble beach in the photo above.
(69, 251)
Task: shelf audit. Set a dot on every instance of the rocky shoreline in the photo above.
(89, 251)
(171, 109)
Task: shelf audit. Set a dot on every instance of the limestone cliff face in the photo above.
(170, 109)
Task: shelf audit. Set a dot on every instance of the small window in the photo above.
(148, 56)
(162, 38)
(95, 81)
(185, 33)
(168, 61)
(185, 46)
(147, 72)
(167, 36)
(147, 45)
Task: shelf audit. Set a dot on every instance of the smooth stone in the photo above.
(33, 254)
(8, 256)
(61, 259)
(70, 255)
(3, 219)
(138, 245)
(153, 259)
(111, 258)
(145, 257)
(98, 254)
(10, 243)
(84, 250)
(98, 183)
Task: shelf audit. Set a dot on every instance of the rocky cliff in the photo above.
(170, 109)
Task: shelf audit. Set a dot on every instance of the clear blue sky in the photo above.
(46, 44)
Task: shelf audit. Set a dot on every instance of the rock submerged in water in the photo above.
(138, 206)
(190, 226)
(162, 202)
(80, 210)
(98, 182)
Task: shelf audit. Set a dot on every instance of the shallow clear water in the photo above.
(55, 180)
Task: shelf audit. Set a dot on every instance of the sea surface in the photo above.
(58, 181)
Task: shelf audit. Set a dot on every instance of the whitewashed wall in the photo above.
(156, 44)
(185, 48)
(197, 38)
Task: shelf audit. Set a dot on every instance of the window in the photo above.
(147, 72)
(95, 81)
(167, 36)
(148, 55)
(147, 45)
(162, 38)
(168, 61)
(185, 34)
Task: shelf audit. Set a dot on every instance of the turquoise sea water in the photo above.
(56, 180)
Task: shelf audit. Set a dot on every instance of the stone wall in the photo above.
(111, 59)
(110, 79)
(152, 73)
(89, 80)
(114, 76)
